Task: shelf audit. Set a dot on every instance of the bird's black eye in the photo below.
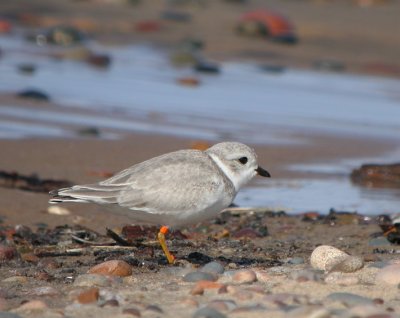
(243, 160)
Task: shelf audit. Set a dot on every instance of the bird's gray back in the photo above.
(178, 182)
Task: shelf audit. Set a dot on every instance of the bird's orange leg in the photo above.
(161, 238)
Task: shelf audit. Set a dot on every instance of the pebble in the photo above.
(110, 303)
(198, 276)
(89, 280)
(113, 267)
(33, 305)
(341, 279)
(207, 312)
(7, 252)
(246, 276)
(222, 304)
(349, 265)
(154, 308)
(16, 280)
(325, 257)
(350, 299)
(296, 260)
(58, 210)
(213, 268)
(132, 311)
(389, 275)
(250, 308)
(88, 296)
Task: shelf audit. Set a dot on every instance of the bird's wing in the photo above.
(185, 180)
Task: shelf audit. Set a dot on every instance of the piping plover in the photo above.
(174, 189)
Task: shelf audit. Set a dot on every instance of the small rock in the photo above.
(222, 304)
(248, 309)
(349, 265)
(341, 279)
(33, 305)
(113, 267)
(324, 257)
(197, 276)
(88, 296)
(189, 81)
(350, 299)
(389, 275)
(34, 94)
(197, 290)
(58, 210)
(110, 303)
(209, 284)
(89, 280)
(244, 277)
(213, 268)
(296, 260)
(207, 312)
(7, 252)
(154, 308)
(132, 311)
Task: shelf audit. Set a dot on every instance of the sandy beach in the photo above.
(249, 261)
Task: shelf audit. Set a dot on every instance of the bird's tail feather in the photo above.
(94, 193)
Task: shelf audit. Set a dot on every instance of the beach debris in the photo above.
(207, 67)
(62, 35)
(58, 210)
(267, 24)
(148, 26)
(89, 132)
(26, 68)
(377, 175)
(34, 94)
(33, 182)
(189, 81)
(176, 16)
(390, 228)
(99, 60)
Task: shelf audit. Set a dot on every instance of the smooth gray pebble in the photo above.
(207, 312)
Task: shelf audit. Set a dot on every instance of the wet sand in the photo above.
(362, 38)
(83, 161)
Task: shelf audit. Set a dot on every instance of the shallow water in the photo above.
(296, 196)
(139, 93)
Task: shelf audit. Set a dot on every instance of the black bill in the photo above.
(262, 172)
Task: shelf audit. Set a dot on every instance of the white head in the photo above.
(237, 161)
